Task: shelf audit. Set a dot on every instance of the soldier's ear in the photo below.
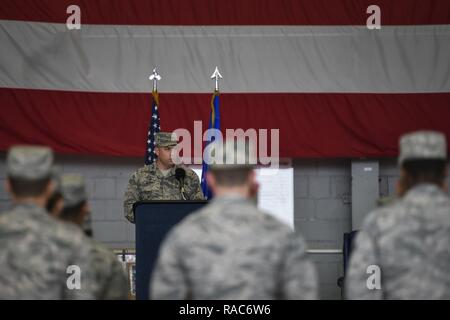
(50, 188)
(86, 209)
(252, 177)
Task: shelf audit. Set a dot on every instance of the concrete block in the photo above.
(304, 209)
(89, 182)
(341, 187)
(328, 272)
(322, 234)
(123, 167)
(383, 186)
(131, 232)
(104, 188)
(110, 231)
(107, 210)
(121, 186)
(388, 167)
(333, 167)
(323, 244)
(3, 194)
(332, 209)
(329, 292)
(319, 187)
(305, 167)
(120, 245)
(392, 185)
(301, 187)
(83, 167)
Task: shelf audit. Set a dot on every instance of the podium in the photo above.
(153, 221)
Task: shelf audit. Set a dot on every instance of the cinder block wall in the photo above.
(322, 203)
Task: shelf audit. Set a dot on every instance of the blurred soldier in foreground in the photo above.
(230, 249)
(107, 271)
(55, 204)
(403, 249)
(40, 257)
(162, 180)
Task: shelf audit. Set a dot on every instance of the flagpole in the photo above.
(213, 124)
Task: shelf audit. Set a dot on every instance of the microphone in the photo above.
(180, 173)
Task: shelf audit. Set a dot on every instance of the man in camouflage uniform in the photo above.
(157, 181)
(230, 249)
(408, 239)
(109, 274)
(37, 252)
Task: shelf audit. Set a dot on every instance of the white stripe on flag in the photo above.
(109, 58)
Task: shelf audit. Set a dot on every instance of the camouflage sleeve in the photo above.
(360, 279)
(194, 187)
(117, 288)
(298, 274)
(131, 196)
(168, 280)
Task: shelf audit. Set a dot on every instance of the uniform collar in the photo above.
(231, 197)
(29, 207)
(154, 169)
(423, 191)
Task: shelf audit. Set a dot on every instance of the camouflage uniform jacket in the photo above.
(35, 252)
(112, 283)
(148, 183)
(231, 250)
(409, 241)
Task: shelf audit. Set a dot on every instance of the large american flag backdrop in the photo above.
(310, 68)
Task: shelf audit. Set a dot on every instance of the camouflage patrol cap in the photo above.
(422, 145)
(166, 139)
(232, 154)
(29, 162)
(73, 189)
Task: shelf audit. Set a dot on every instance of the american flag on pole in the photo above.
(153, 127)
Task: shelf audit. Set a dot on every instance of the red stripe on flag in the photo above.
(229, 12)
(311, 125)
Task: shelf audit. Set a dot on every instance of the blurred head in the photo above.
(232, 166)
(29, 174)
(422, 159)
(73, 190)
(414, 172)
(76, 213)
(234, 181)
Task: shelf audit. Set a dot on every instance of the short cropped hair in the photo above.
(231, 178)
(425, 171)
(72, 212)
(28, 188)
